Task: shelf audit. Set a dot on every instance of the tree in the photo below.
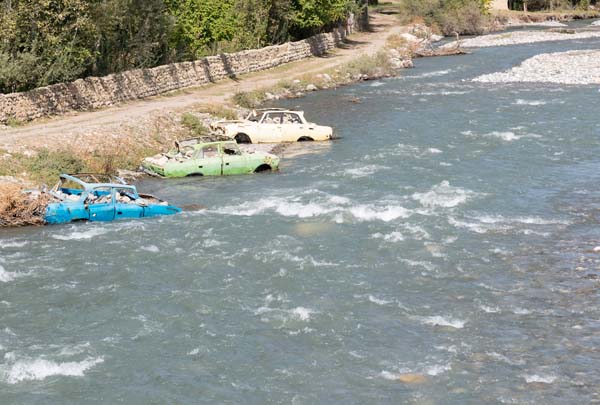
(43, 42)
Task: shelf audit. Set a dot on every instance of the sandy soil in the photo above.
(86, 126)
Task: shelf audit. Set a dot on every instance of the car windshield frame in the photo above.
(232, 146)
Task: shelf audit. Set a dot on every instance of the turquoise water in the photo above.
(450, 233)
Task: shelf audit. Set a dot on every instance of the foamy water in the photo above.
(40, 369)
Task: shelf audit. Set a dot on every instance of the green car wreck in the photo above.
(195, 158)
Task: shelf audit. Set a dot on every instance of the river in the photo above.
(449, 234)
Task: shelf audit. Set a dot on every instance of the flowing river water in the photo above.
(449, 234)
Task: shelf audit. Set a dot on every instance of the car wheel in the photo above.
(263, 168)
(194, 175)
(242, 138)
(305, 139)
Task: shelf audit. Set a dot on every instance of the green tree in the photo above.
(43, 42)
(131, 34)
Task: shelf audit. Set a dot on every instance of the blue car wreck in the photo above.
(94, 197)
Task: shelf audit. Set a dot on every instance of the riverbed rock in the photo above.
(310, 229)
(420, 31)
(411, 378)
(398, 63)
(410, 37)
(311, 87)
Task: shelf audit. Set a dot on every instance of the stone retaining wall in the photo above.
(97, 92)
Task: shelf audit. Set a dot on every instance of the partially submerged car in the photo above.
(193, 157)
(273, 125)
(96, 197)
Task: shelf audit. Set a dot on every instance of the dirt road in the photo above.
(84, 126)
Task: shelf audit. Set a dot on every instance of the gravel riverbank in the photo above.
(573, 67)
(522, 37)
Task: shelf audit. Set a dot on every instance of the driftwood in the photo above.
(19, 209)
(423, 53)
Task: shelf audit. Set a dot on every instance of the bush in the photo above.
(220, 112)
(194, 124)
(47, 165)
(451, 16)
(372, 66)
(251, 99)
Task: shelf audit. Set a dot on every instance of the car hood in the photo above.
(226, 122)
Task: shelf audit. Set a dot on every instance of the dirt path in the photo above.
(86, 125)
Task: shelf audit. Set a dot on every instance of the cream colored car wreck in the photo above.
(273, 126)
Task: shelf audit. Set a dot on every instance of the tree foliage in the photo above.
(49, 41)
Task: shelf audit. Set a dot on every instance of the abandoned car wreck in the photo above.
(273, 125)
(193, 157)
(94, 197)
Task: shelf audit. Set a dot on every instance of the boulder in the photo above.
(410, 37)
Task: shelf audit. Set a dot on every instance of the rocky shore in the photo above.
(573, 67)
(523, 37)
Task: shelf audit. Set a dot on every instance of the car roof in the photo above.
(279, 110)
(203, 144)
(77, 178)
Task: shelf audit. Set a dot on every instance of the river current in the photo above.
(450, 233)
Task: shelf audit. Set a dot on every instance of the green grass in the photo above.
(194, 124)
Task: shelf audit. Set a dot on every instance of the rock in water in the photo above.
(412, 378)
(308, 229)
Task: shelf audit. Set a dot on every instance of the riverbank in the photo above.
(527, 37)
(501, 19)
(98, 141)
(573, 67)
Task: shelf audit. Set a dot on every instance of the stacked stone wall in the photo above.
(98, 92)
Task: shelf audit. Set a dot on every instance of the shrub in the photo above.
(220, 112)
(461, 16)
(194, 124)
(48, 164)
(251, 99)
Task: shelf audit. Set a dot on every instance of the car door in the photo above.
(125, 206)
(208, 160)
(101, 204)
(234, 162)
(270, 129)
(294, 127)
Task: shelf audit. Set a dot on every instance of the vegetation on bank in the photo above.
(50, 41)
(470, 17)
(448, 16)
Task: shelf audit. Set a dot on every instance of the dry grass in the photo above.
(20, 209)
